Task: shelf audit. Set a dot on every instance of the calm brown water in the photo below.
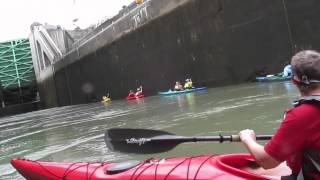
(75, 133)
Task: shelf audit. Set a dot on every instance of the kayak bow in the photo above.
(205, 167)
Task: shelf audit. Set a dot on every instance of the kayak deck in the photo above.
(204, 167)
(134, 97)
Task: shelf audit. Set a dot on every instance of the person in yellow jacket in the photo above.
(188, 84)
(106, 98)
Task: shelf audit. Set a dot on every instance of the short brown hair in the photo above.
(306, 67)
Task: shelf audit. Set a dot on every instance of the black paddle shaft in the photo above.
(145, 141)
(182, 139)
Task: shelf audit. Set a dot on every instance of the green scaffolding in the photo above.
(16, 67)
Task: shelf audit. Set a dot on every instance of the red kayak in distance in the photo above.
(203, 167)
(134, 97)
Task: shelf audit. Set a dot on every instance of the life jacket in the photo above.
(310, 168)
(307, 99)
(186, 85)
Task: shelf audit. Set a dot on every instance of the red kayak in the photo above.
(205, 167)
(135, 97)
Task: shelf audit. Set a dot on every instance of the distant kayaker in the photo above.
(131, 94)
(297, 140)
(287, 71)
(139, 91)
(106, 98)
(178, 86)
(188, 84)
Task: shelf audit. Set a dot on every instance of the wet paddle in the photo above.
(147, 141)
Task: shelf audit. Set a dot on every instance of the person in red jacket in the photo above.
(299, 132)
(131, 93)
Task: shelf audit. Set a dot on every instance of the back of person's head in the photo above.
(306, 68)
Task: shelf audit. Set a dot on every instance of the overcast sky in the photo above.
(16, 16)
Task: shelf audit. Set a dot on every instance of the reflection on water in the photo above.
(75, 133)
(190, 99)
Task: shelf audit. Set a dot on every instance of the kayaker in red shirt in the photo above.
(299, 132)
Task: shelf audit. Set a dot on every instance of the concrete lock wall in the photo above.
(215, 42)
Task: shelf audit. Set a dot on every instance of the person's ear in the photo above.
(294, 80)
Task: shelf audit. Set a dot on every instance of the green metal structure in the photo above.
(16, 67)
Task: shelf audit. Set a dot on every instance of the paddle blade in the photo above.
(139, 141)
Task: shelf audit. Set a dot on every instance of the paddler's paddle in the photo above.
(146, 141)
